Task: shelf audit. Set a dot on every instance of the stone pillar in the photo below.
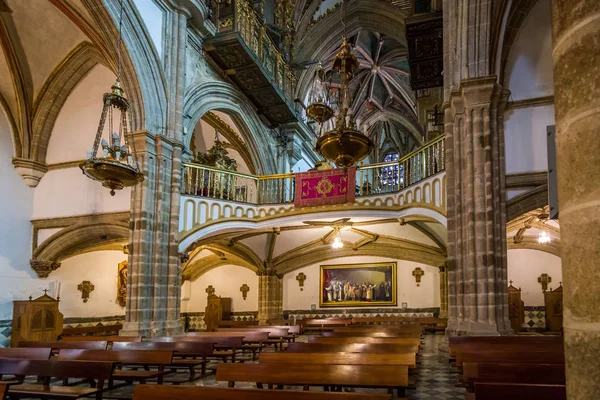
(270, 297)
(576, 57)
(443, 292)
(477, 272)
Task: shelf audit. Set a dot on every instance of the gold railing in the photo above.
(371, 179)
(240, 16)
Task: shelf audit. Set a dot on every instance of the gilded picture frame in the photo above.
(358, 285)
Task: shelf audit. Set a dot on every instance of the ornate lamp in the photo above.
(345, 145)
(117, 165)
(318, 98)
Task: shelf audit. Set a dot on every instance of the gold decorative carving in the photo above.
(301, 278)
(244, 289)
(122, 283)
(85, 287)
(418, 273)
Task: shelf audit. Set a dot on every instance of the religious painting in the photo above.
(358, 285)
(122, 283)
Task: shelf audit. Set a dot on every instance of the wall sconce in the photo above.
(418, 273)
(301, 278)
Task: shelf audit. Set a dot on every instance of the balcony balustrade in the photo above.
(372, 179)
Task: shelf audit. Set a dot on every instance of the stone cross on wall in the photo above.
(210, 290)
(244, 289)
(301, 278)
(418, 273)
(85, 287)
(544, 280)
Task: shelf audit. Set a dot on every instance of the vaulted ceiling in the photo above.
(289, 247)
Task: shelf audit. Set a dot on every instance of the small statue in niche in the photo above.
(122, 283)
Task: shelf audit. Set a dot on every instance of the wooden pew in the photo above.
(286, 358)
(433, 324)
(107, 330)
(323, 324)
(375, 348)
(363, 339)
(252, 340)
(510, 353)
(513, 373)
(378, 320)
(281, 322)
(93, 345)
(516, 391)
(390, 377)
(236, 324)
(98, 371)
(2, 390)
(109, 339)
(380, 328)
(150, 392)
(16, 353)
(224, 346)
(136, 358)
(276, 335)
(187, 355)
(373, 334)
(457, 341)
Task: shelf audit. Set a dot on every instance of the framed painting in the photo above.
(358, 285)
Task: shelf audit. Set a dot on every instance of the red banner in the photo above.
(318, 188)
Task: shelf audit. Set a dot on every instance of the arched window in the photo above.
(392, 175)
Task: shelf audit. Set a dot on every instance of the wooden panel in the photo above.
(408, 359)
(352, 348)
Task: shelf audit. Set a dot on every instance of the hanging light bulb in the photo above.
(116, 165)
(337, 240)
(544, 238)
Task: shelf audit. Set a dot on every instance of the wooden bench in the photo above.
(186, 355)
(433, 324)
(510, 353)
(456, 341)
(93, 345)
(380, 328)
(373, 334)
(109, 339)
(106, 330)
(286, 358)
(323, 324)
(276, 335)
(127, 358)
(224, 346)
(516, 391)
(47, 369)
(236, 324)
(252, 340)
(150, 392)
(16, 353)
(363, 339)
(375, 348)
(328, 376)
(281, 322)
(513, 373)
(378, 320)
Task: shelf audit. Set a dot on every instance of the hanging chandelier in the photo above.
(116, 166)
(344, 144)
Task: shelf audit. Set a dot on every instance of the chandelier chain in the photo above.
(120, 40)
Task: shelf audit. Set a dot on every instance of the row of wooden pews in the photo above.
(515, 367)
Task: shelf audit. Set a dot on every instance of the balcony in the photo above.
(373, 179)
(246, 53)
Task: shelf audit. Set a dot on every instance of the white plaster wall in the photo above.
(100, 268)
(226, 280)
(524, 268)
(77, 122)
(67, 192)
(153, 19)
(526, 140)
(301, 166)
(529, 70)
(426, 295)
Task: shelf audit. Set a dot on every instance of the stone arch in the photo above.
(80, 239)
(224, 97)
(195, 270)
(528, 201)
(55, 92)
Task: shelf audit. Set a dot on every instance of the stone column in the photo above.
(270, 297)
(477, 272)
(576, 57)
(443, 292)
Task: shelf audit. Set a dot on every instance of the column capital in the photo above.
(43, 268)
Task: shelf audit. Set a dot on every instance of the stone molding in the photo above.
(31, 171)
(43, 268)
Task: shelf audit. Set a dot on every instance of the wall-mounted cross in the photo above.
(418, 273)
(544, 280)
(301, 278)
(244, 289)
(85, 287)
(210, 290)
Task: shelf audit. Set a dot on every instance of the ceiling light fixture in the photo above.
(544, 238)
(337, 240)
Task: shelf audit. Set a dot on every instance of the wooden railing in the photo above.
(371, 179)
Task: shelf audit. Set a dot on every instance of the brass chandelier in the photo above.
(345, 145)
(116, 167)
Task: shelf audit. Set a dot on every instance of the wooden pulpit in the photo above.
(516, 308)
(36, 320)
(553, 300)
(217, 309)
